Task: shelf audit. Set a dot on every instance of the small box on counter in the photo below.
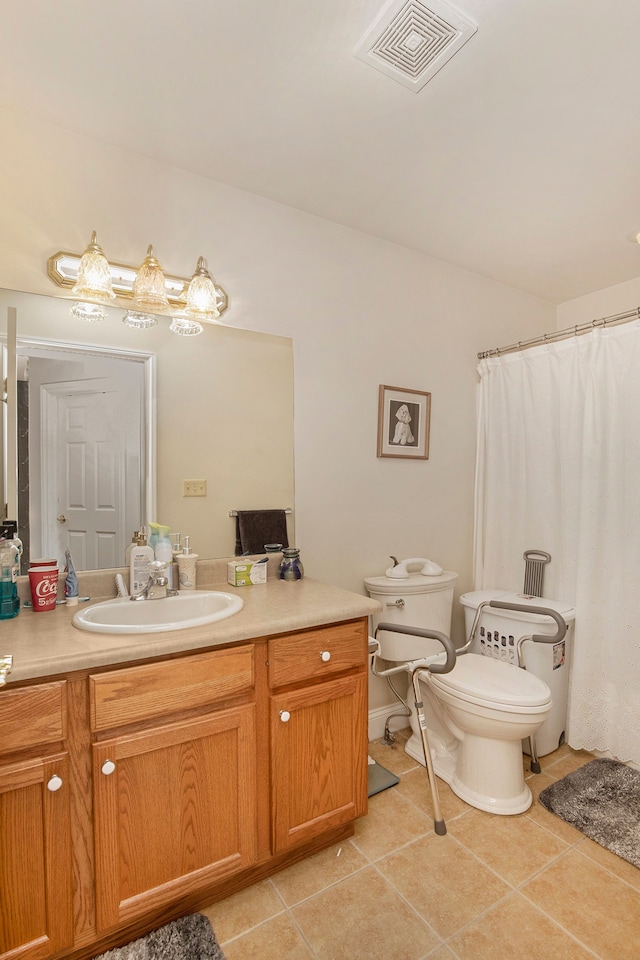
(240, 573)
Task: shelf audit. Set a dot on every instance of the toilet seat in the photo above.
(488, 682)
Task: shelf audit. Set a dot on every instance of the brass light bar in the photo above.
(62, 268)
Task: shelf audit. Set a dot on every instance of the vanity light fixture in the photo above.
(92, 312)
(202, 301)
(149, 289)
(93, 281)
(185, 327)
(139, 321)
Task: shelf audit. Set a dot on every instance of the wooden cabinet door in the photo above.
(319, 759)
(175, 808)
(36, 916)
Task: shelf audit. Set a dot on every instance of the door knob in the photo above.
(61, 518)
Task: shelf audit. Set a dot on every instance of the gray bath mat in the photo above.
(602, 799)
(380, 778)
(189, 938)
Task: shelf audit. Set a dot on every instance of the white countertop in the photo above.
(47, 644)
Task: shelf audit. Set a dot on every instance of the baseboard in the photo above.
(378, 719)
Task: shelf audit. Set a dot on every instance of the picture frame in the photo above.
(404, 417)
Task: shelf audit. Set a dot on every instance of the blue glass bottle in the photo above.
(291, 565)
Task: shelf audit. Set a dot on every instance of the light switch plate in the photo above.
(194, 488)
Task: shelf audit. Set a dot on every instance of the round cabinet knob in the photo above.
(325, 656)
(55, 783)
(285, 716)
(108, 767)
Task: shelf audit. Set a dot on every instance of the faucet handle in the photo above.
(157, 568)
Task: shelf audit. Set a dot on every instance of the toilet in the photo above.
(478, 714)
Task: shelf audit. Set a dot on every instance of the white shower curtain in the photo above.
(558, 469)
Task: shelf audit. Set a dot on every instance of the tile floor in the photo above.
(494, 888)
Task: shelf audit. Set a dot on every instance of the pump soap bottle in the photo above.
(187, 566)
(140, 559)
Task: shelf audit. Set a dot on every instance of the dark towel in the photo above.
(254, 528)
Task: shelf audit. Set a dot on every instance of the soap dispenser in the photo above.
(140, 559)
(187, 566)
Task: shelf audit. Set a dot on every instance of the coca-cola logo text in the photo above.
(46, 587)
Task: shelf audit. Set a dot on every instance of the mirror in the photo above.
(218, 408)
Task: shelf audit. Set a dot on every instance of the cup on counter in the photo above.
(43, 563)
(44, 586)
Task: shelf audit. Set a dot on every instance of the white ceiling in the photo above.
(519, 160)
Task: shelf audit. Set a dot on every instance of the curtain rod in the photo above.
(575, 331)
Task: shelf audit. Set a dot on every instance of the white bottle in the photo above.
(134, 542)
(187, 567)
(164, 553)
(141, 557)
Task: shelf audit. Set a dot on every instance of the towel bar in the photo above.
(234, 513)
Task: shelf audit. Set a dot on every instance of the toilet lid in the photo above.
(483, 678)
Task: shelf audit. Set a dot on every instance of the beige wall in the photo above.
(602, 303)
(361, 312)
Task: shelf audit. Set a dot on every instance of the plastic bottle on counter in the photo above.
(164, 553)
(187, 566)
(9, 599)
(9, 531)
(134, 543)
(140, 559)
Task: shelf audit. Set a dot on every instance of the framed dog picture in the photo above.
(403, 423)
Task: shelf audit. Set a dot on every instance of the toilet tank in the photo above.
(417, 601)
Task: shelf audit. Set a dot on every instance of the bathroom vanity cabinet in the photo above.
(36, 918)
(133, 794)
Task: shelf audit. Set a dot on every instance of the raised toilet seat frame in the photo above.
(413, 668)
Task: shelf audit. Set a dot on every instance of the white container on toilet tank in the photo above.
(417, 600)
(497, 635)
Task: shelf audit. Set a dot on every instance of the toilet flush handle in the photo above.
(396, 603)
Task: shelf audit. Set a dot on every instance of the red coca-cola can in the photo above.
(44, 588)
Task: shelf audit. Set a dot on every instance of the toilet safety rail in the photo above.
(413, 668)
(561, 624)
(520, 608)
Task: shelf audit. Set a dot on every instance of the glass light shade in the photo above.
(149, 289)
(139, 321)
(185, 328)
(94, 275)
(92, 312)
(202, 298)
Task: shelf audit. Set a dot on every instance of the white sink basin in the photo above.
(123, 615)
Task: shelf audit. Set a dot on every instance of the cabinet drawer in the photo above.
(32, 715)
(317, 653)
(157, 689)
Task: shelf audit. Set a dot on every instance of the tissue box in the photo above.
(242, 572)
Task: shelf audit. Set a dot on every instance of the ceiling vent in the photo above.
(411, 40)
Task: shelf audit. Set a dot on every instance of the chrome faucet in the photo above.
(157, 587)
